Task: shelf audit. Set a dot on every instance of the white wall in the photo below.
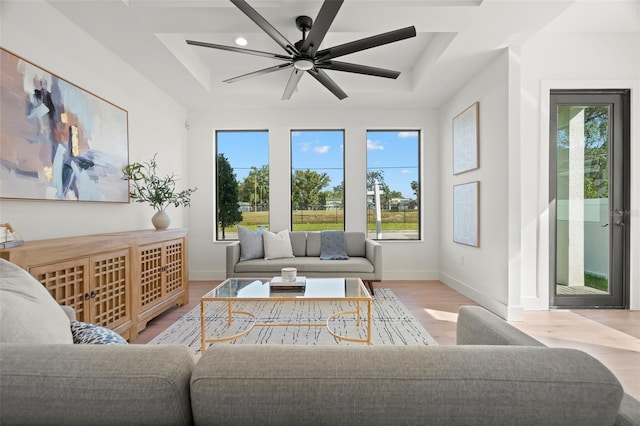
(510, 270)
(38, 33)
(401, 259)
(569, 61)
(481, 273)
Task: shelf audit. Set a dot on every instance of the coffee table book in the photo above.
(278, 282)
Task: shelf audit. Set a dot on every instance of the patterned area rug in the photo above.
(392, 324)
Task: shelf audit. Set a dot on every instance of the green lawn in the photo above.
(316, 220)
(596, 281)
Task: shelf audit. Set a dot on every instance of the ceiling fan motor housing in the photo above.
(304, 23)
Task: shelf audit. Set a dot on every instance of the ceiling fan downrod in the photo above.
(303, 62)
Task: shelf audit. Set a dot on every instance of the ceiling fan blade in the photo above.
(366, 43)
(358, 69)
(326, 81)
(239, 50)
(266, 26)
(259, 72)
(296, 75)
(321, 25)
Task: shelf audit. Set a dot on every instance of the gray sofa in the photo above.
(496, 375)
(365, 259)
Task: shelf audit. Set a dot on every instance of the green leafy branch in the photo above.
(148, 187)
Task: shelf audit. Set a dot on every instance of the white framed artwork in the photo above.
(465, 140)
(466, 216)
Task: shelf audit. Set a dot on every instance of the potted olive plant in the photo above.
(158, 192)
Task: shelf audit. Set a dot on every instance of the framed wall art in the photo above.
(59, 141)
(466, 217)
(465, 140)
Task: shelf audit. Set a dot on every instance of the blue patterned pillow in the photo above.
(90, 334)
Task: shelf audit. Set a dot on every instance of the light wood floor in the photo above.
(610, 335)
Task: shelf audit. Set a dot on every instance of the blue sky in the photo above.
(394, 152)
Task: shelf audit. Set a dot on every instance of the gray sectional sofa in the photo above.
(365, 259)
(496, 375)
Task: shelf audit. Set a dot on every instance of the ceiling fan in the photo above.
(304, 54)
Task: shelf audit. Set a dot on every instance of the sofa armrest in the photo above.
(71, 313)
(478, 326)
(629, 413)
(233, 257)
(87, 384)
(373, 252)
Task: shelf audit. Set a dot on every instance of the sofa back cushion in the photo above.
(28, 313)
(95, 384)
(298, 243)
(353, 240)
(313, 244)
(453, 385)
(355, 243)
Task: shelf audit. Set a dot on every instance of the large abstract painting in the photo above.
(58, 141)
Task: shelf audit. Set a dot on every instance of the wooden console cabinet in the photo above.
(119, 280)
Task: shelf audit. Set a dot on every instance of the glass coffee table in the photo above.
(315, 290)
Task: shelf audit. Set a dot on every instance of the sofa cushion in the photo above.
(91, 334)
(28, 313)
(314, 244)
(298, 243)
(251, 245)
(453, 385)
(355, 242)
(260, 267)
(95, 384)
(277, 246)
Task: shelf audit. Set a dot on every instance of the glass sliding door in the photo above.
(589, 181)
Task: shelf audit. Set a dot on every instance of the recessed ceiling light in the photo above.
(241, 41)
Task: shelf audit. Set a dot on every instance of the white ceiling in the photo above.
(456, 38)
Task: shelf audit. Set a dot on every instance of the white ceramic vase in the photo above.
(161, 220)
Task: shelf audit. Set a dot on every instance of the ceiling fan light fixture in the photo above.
(241, 41)
(303, 64)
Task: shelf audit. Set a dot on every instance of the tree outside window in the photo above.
(393, 167)
(242, 181)
(317, 180)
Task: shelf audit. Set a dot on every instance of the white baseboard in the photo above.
(510, 313)
(534, 304)
(410, 275)
(207, 275)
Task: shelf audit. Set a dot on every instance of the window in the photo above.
(242, 181)
(393, 166)
(317, 180)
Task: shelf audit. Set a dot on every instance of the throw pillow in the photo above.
(28, 313)
(91, 334)
(277, 246)
(251, 246)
